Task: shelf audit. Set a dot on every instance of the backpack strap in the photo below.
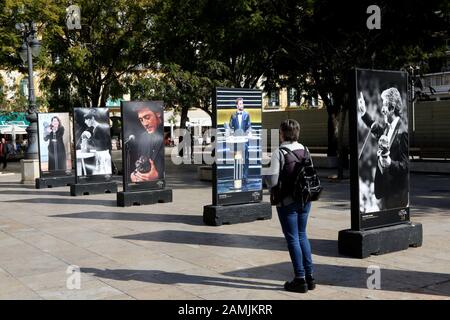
(291, 152)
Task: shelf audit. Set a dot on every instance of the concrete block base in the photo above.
(132, 198)
(218, 215)
(53, 182)
(362, 244)
(30, 170)
(82, 189)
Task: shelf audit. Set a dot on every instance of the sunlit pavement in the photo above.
(164, 251)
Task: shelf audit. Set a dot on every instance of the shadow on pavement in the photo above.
(69, 201)
(162, 277)
(47, 191)
(356, 277)
(16, 185)
(128, 216)
(320, 247)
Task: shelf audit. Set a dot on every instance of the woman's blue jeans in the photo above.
(293, 219)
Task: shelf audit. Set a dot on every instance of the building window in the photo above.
(293, 97)
(274, 99)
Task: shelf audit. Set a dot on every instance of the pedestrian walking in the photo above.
(4, 152)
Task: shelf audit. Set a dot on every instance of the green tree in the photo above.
(204, 44)
(43, 12)
(323, 40)
(81, 67)
(86, 67)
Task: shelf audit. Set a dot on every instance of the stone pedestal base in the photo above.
(218, 215)
(29, 170)
(361, 244)
(132, 198)
(53, 182)
(82, 189)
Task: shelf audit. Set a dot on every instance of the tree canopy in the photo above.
(178, 51)
(322, 40)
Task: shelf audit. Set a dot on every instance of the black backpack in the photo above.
(303, 184)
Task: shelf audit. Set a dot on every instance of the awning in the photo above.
(13, 129)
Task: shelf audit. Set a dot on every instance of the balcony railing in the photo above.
(436, 83)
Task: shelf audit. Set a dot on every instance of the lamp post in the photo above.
(30, 48)
(414, 74)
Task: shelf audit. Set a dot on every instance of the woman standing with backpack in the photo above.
(286, 162)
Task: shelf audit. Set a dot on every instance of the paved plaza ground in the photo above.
(164, 251)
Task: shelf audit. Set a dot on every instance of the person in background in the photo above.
(3, 153)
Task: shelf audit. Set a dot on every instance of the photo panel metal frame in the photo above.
(125, 107)
(55, 173)
(224, 99)
(96, 177)
(375, 82)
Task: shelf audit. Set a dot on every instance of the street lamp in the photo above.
(30, 48)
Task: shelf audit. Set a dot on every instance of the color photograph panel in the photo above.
(238, 142)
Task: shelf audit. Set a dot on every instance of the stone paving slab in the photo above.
(164, 251)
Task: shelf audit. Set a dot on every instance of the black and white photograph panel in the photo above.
(383, 142)
(92, 141)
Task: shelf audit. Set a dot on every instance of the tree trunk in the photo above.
(343, 150)
(104, 98)
(95, 96)
(183, 118)
(95, 100)
(332, 132)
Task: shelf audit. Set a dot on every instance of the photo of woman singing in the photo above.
(55, 144)
(54, 134)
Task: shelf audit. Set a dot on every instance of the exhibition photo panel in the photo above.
(143, 145)
(237, 171)
(92, 134)
(380, 179)
(55, 144)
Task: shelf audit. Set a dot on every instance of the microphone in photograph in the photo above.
(130, 139)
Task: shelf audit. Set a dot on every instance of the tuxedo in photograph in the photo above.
(56, 150)
(241, 125)
(391, 183)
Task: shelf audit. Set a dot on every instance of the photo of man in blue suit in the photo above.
(241, 125)
(240, 120)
